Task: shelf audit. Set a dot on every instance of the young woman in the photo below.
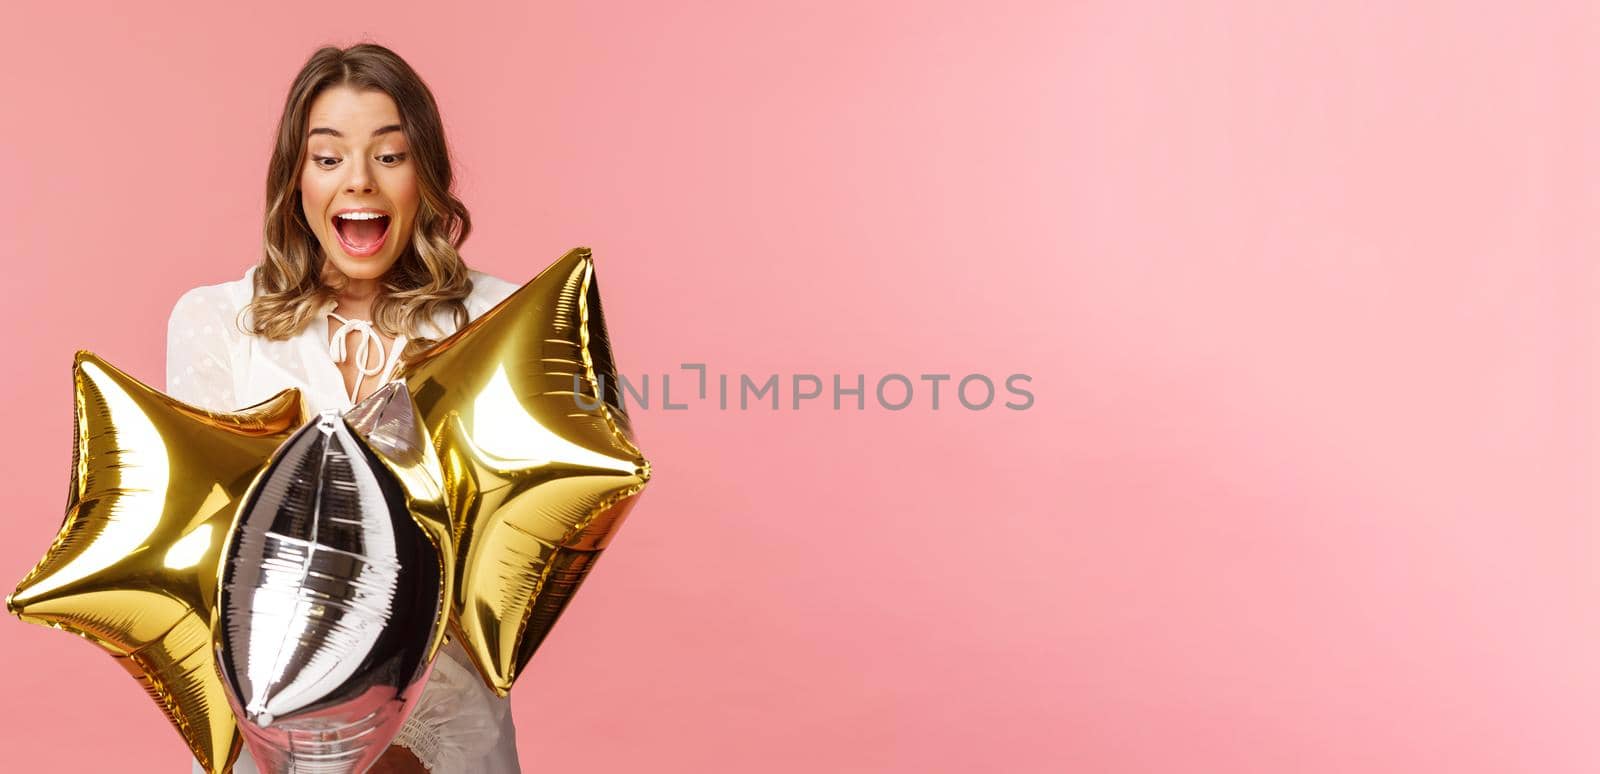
(360, 270)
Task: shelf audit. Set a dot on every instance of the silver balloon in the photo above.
(329, 606)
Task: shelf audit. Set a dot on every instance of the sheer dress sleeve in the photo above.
(200, 338)
(458, 720)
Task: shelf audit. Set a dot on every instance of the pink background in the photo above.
(1306, 294)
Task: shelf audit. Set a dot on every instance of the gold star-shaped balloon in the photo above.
(540, 466)
(155, 483)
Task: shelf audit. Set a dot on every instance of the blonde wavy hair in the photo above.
(429, 274)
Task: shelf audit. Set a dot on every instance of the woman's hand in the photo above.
(397, 760)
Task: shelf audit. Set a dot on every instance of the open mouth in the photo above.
(361, 233)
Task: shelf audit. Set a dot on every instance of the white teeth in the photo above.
(361, 215)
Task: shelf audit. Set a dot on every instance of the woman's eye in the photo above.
(387, 158)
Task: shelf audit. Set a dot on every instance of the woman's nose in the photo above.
(360, 181)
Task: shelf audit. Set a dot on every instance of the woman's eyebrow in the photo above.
(337, 133)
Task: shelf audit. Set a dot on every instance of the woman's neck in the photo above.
(356, 297)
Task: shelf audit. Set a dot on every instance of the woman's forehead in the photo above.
(352, 114)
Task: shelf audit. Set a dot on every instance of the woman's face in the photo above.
(358, 165)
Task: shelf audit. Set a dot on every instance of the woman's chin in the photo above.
(360, 268)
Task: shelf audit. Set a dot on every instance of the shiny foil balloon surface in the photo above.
(331, 602)
(155, 486)
(388, 421)
(539, 459)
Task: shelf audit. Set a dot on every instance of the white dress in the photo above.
(459, 726)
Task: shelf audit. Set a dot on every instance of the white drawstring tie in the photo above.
(336, 349)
